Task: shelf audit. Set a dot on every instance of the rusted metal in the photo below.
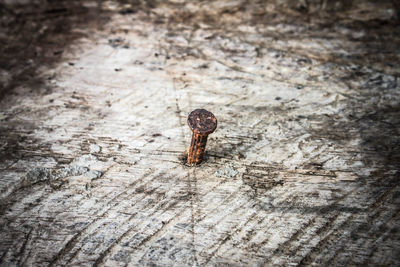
(202, 123)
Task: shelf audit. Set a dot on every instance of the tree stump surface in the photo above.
(303, 168)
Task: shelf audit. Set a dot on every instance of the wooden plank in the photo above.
(303, 168)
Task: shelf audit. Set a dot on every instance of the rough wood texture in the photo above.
(302, 170)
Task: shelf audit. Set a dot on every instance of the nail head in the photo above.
(202, 122)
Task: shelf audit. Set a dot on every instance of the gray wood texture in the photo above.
(303, 168)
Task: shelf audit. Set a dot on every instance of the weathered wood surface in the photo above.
(302, 170)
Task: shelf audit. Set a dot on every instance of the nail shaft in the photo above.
(197, 148)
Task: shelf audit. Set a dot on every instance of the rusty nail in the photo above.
(202, 123)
